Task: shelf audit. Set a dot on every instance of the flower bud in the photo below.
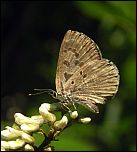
(5, 144)
(46, 115)
(57, 133)
(49, 148)
(10, 133)
(61, 124)
(50, 107)
(46, 106)
(38, 118)
(27, 138)
(28, 147)
(29, 127)
(21, 119)
(16, 144)
(74, 114)
(85, 120)
(3, 149)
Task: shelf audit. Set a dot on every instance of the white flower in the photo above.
(28, 147)
(27, 138)
(4, 145)
(74, 114)
(46, 114)
(85, 120)
(21, 119)
(2, 149)
(16, 144)
(47, 106)
(10, 133)
(50, 107)
(29, 127)
(48, 149)
(61, 124)
(38, 118)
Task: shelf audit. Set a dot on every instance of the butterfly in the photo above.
(82, 75)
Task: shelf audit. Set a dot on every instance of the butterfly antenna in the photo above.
(42, 91)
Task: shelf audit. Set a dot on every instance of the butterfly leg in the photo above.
(74, 105)
(65, 107)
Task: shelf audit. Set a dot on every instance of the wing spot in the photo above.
(72, 82)
(81, 72)
(66, 63)
(76, 54)
(67, 75)
(65, 50)
(76, 62)
(85, 75)
(81, 64)
(73, 50)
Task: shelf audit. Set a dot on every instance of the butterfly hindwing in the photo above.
(93, 83)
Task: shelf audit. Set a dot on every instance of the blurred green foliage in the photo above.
(114, 24)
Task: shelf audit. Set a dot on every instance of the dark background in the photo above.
(31, 35)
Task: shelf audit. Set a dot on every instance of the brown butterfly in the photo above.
(82, 75)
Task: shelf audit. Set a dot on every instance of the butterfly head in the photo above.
(56, 95)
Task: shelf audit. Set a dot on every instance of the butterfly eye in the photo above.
(54, 94)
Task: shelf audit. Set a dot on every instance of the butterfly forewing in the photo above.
(76, 49)
(82, 73)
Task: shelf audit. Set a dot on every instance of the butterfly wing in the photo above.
(93, 83)
(76, 50)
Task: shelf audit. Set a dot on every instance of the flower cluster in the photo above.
(20, 135)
